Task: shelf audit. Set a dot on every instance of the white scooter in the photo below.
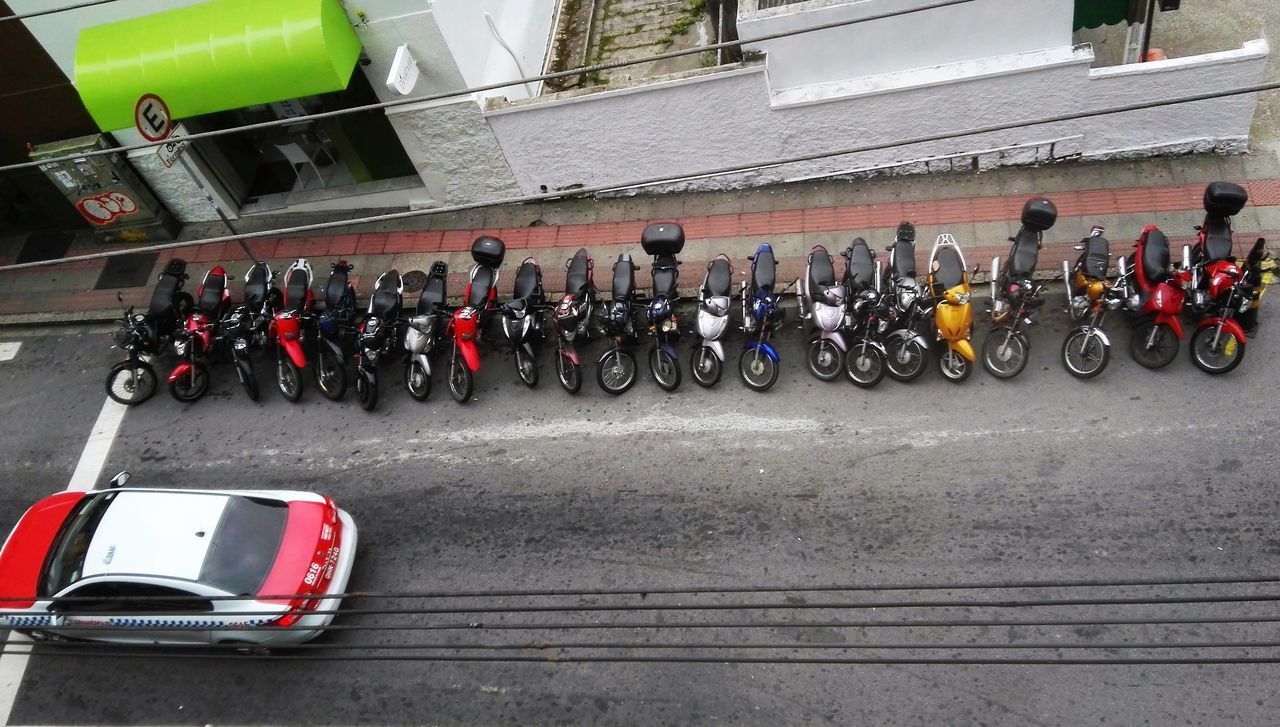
(426, 329)
(713, 321)
(822, 301)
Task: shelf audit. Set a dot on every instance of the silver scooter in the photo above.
(822, 301)
(714, 300)
(426, 329)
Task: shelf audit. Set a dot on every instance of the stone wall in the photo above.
(454, 151)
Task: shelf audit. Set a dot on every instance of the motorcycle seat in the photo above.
(719, 278)
(1096, 257)
(1026, 251)
(624, 277)
(336, 289)
(432, 295)
(822, 272)
(481, 283)
(665, 275)
(1155, 257)
(162, 296)
(763, 269)
(1217, 238)
(575, 280)
(211, 296)
(519, 305)
(950, 272)
(255, 288)
(527, 280)
(904, 259)
(862, 268)
(296, 287)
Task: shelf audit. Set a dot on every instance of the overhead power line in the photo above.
(652, 181)
(582, 70)
(51, 11)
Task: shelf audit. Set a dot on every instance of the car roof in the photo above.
(156, 533)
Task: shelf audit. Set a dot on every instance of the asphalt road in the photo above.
(1137, 474)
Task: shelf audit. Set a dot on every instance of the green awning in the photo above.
(1095, 13)
(215, 56)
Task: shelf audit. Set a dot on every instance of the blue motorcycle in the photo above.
(761, 315)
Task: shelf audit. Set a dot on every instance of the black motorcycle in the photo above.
(868, 314)
(906, 348)
(522, 319)
(245, 327)
(378, 335)
(664, 241)
(616, 367)
(144, 335)
(572, 318)
(333, 327)
(1015, 295)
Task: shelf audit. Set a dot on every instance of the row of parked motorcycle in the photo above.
(870, 321)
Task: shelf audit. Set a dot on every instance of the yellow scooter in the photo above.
(948, 284)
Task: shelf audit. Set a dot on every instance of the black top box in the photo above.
(488, 251)
(662, 238)
(1039, 214)
(1224, 199)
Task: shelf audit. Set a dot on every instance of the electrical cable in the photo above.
(490, 86)
(734, 169)
(51, 11)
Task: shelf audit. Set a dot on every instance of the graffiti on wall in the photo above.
(102, 209)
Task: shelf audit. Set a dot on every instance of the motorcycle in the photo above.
(1259, 269)
(572, 318)
(761, 316)
(906, 348)
(1212, 252)
(1015, 295)
(522, 319)
(144, 335)
(245, 326)
(868, 315)
(286, 329)
(663, 241)
(1155, 300)
(423, 338)
(707, 362)
(1087, 349)
(333, 328)
(948, 284)
(616, 367)
(189, 380)
(822, 304)
(378, 337)
(469, 320)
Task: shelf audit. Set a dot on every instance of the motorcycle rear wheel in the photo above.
(331, 375)
(417, 381)
(1005, 352)
(954, 367)
(665, 369)
(366, 391)
(527, 368)
(705, 367)
(865, 365)
(568, 372)
(1153, 345)
(824, 359)
(904, 359)
(1215, 362)
(131, 383)
(758, 371)
(1084, 356)
(288, 378)
(616, 371)
(192, 386)
(461, 382)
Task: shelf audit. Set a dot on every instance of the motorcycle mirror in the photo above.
(976, 268)
(1077, 247)
(119, 480)
(119, 296)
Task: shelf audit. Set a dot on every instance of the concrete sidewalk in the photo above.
(980, 209)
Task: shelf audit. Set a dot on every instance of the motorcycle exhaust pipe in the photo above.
(995, 275)
(877, 274)
(1066, 278)
(742, 290)
(1186, 265)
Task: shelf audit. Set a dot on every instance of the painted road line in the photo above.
(88, 470)
(9, 350)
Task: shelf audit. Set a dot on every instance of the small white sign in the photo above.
(172, 149)
(404, 72)
(8, 351)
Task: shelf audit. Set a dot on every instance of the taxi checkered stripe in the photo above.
(182, 623)
(21, 621)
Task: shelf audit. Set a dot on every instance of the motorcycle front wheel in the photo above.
(865, 366)
(1084, 355)
(568, 372)
(193, 385)
(1004, 353)
(616, 371)
(248, 380)
(955, 368)
(824, 359)
(705, 366)
(288, 378)
(904, 359)
(417, 381)
(759, 372)
(367, 390)
(460, 380)
(1153, 345)
(1219, 359)
(131, 382)
(527, 368)
(331, 375)
(665, 369)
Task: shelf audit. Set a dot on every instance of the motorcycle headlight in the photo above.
(668, 326)
(962, 298)
(240, 344)
(180, 346)
(905, 298)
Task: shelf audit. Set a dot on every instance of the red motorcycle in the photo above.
(469, 320)
(1218, 288)
(189, 380)
(1157, 302)
(286, 329)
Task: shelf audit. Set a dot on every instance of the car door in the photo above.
(134, 613)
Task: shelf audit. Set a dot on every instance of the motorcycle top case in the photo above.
(662, 238)
(488, 251)
(1039, 214)
(1224, 199)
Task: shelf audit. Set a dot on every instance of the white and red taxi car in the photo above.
(154, 566)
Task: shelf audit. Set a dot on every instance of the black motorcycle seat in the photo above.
(1026, 251)
(904, 259)
(575, 280)
(527, 280)
(719, 278)
(822, 272)
(336, 288)
(255, 288)
(1096, 257)
(385, 301)
(862, 268)
(1217, 238)
(162, 296)
(211, 296)
(296, 287)
(432, 295)
(950, 272)
(515, 306)
(763, 270)
(1155, 257)
(624, 277)
(481, 283)
(665, 274)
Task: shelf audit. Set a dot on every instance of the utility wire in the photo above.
(51, 11)
(370, 219)
(490, 86)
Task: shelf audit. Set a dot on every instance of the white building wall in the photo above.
(979, 29)
(498, 40)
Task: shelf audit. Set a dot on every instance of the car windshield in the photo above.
(66, 557)
(245, 544)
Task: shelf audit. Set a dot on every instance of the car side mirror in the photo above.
(119, 480)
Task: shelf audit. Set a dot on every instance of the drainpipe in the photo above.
(514, 59)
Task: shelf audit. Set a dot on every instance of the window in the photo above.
(113, 597)
(66, 557)
(244, 546)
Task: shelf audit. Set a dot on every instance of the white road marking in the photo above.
(88, 470)
(9, 350)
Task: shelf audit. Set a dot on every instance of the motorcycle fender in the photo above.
(294, 351)
(716, 347)
(906, 335)
(245, 365)
(335, 347)
(962, 347)
(1171, 321)
(470, 355)
(424, 361)
(572, 354)
(1230, 325)
(179, 371)
(766, 349)
(1098, 333)
(837, 338)
(670, 351)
